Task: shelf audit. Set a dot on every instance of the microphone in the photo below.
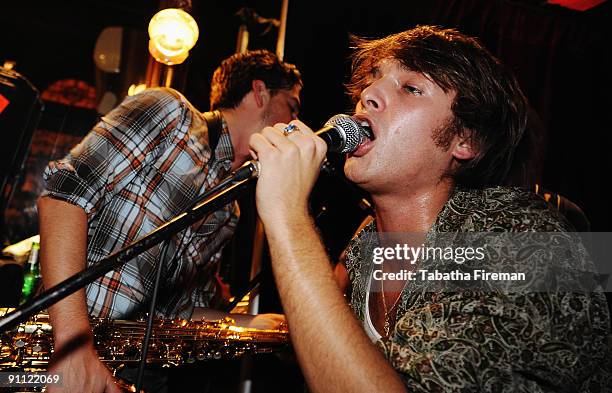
(341, 133)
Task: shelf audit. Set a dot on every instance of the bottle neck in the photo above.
(33, 258)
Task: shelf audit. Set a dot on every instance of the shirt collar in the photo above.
(224, 151)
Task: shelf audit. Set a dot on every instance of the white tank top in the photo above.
(367, 320)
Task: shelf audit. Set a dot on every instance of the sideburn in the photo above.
(444, 134)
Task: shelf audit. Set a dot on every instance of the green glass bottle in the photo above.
(31, 275)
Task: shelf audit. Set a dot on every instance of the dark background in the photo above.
(560, 56)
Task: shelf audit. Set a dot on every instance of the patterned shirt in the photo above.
(481, 340)
(137, 168)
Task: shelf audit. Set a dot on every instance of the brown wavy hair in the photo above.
(489, 107)
(232, 80)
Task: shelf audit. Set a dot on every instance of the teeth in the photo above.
(367, 129)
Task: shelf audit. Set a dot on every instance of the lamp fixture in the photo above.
(172, 32)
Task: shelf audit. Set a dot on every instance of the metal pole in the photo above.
(242, 44)
(280, 43)
(259, 237)
(153, 72)
(169, 76)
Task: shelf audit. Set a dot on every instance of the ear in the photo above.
(260, 92)
(464, 148)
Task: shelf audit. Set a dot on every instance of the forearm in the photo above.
(63, 236)
(332, 349)
(334, 352)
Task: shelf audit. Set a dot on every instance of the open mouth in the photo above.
(367, 129)
(367, 140)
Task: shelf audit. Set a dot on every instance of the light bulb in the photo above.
(172, 33)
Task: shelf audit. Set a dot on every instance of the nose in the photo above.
(372, 96)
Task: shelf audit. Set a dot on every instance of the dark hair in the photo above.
(489, 107)
(232, 80)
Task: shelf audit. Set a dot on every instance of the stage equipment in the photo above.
(20, 109)
(107, 52)
(280, 43)
(174, 342)
(226, 191)
(173, 32)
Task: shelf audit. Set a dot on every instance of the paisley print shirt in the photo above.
(487, 339)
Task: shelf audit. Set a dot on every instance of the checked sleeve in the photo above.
(114, 151)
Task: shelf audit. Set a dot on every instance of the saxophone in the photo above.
(174, 342)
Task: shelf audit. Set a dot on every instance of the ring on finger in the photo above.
(290, 128)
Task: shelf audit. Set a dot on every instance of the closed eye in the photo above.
(413, 90)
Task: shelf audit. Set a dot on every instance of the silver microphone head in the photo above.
(350, 130)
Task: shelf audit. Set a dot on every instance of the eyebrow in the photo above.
(375, 70)
(417, 72)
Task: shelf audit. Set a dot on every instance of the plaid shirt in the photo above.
(137, 168)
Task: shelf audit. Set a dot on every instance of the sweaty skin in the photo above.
(402, 168)
(325, 334)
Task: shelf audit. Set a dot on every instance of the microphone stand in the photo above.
(226, 191)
